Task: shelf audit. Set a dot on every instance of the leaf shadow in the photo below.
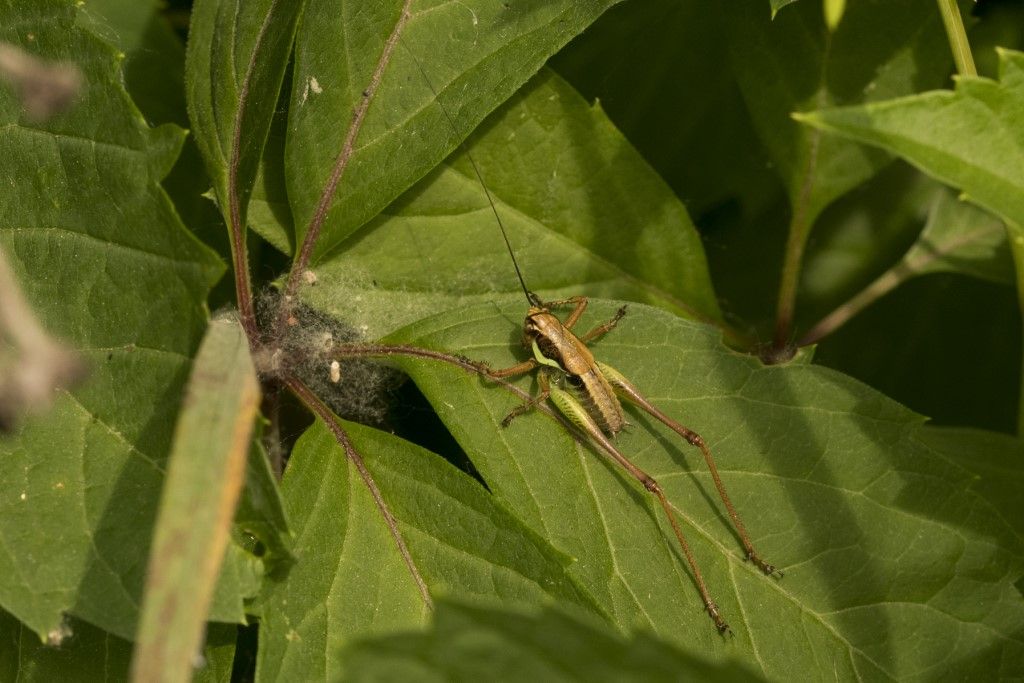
(110, 590)
(850, 559)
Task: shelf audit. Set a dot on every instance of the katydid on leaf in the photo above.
(594, 407)
(593, 404)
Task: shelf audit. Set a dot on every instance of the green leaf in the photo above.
(933, 344)
(218, 655)
(776, 5)
(792, 63)
(972, 139)
(489, 50)
(154, 75)
(237, 54)
(471, 643)
(960, 238)
(269, 213)
(598, 220)
(656, 68)
(153, 54)
(996, 461)
(261, 509)
(76, 651)
(880, 536)
(350, 580)
(205, 473)
(81, 652)
(107, 266)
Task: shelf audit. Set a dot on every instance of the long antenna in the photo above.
(532, 298)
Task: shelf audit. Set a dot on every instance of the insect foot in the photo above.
(768, 569)
(712, 609)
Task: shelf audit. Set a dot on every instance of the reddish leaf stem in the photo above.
(320, 409)
(239, 256)
(799, 229)
(344, 157)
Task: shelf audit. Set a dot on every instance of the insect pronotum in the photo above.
(593, 404)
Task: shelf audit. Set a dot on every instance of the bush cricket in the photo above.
(593, 403)
(594, 407)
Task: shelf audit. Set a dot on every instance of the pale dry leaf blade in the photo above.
(205, 474)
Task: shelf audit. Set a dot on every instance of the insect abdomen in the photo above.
(599, 400)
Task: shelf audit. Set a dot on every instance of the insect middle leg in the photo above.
(522, 409)
(513, 371)
(605, 326)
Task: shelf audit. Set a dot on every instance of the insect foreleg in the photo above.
(579, 303)
(625, 389)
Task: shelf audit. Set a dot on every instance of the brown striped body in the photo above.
(557, 343)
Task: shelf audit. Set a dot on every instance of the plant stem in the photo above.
(799, 230)
(957, 38)
(884, 284)
(913, 263)
(236, 223)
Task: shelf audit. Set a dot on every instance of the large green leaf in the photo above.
(656, 67)
(76, 651)
(972, 138)
(487, 51)
(154, 56)
(582, 210)
(108, 266)
(467, 643)
(904, 344)
(881, 537)
(997, 461)
(350, 580)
